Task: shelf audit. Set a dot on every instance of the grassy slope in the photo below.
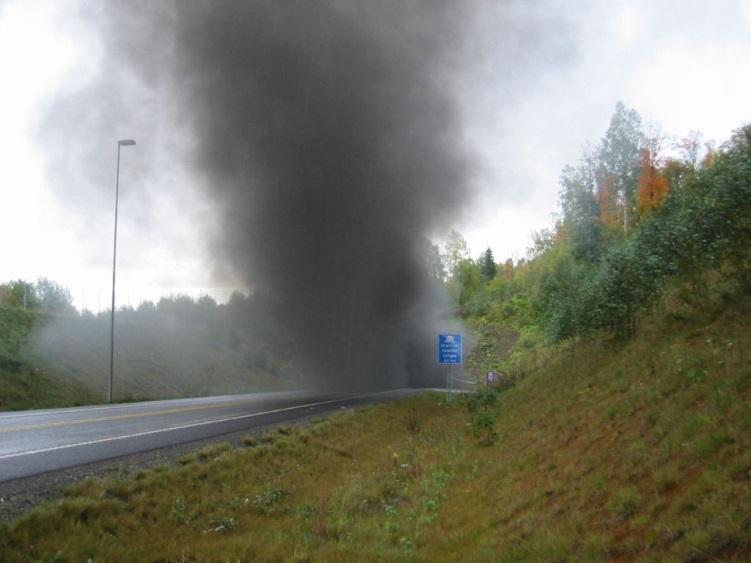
(48, 361)
(154, 361)
(633, 452)
(21, 385)
(638, 454)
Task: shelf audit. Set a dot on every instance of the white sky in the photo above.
(682, 64)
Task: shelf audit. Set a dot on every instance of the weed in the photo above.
(599, 484)
(266, 500)
(666, 479)
(615, 411)
(186, 459)
(392, 525)
(224, 524)
(406, 543)
(482, 399)
(743, 381)
(121, 491)
(708, 444)
(483, 426)
(626, 502)
(412, 422)
(178, 513)
(740, 469)
(305, 510)
(213, 451)
(249, 441)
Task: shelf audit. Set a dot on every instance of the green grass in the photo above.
(157, 360)
(609, 451)
(22, 385)
(57, 361)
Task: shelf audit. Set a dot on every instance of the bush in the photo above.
(483, 426)
(484, 398)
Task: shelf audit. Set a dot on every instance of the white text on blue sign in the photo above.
(449, 348)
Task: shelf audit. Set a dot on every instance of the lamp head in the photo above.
(126, 142)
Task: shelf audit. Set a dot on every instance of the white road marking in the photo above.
(182, 427)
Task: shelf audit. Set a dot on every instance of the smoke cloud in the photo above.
(328, 136)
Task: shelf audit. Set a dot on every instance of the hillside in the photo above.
(155, 360)
(59, 360)
(23, 386)
(631, 450)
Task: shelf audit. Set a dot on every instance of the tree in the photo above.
(607, 200)
(455, 252)
(508, 268)
(488, 267)
(434, 263)
(581, 211)
(618, 157)
(652, 186)
(467, 283)
(19, 293)
(690, 148)
(53, 297)
(542, 242)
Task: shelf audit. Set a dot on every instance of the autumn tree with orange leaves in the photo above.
(652, 185)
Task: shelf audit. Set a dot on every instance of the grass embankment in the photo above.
(635, 451)
(22, 386)
(58, 361)
(156, 360)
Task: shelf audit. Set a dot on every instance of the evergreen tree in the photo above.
(488, 267)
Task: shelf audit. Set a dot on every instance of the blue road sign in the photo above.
(449, 348)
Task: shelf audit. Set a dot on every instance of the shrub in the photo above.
(484, 398)
(483, 426)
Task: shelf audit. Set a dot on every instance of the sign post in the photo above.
(450, 353)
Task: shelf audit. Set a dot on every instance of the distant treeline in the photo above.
(45, 295)
(636, 216)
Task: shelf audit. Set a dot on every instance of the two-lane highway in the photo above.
(33, 442)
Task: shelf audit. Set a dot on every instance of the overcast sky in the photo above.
(683, 65)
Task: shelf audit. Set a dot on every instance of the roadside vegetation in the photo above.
(23, 386)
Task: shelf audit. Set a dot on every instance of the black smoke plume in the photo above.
(328, 135)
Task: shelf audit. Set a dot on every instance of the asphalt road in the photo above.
(33, 442)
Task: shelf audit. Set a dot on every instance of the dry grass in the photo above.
(636, 451)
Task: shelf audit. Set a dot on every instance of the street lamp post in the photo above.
(121, 143)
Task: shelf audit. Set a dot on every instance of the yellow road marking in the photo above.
(118, 417)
